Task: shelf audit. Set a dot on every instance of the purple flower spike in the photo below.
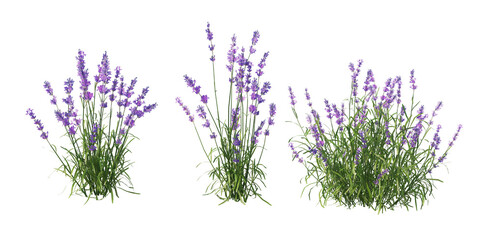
(231, 53)
(213, 135)
(48, 88)
(262, 64)
(37, 122)
(44, 135)
(413, 80)
(209, 34)
(30, 112)
(357, 156)
(252, 109)
(69, 86)
(204, 99)
(83, 74)
(149, 108)
(255, 38)
(235, 118)
(201, 112)
(456, 135)
(438, 107)
(292, 96)
(185, 109)
(380, 176)
(236, 140)
(307, 96)
(104, 71)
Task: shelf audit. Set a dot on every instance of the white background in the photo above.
(310, 44)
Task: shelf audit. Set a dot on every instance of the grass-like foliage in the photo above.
(99, 135)
(236, 171)
(377, 152)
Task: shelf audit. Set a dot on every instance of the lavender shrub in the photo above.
(236, 170)
(376, 153)
(95, 161)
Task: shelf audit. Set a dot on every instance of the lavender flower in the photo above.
(436, 140)
(253, 109)
(37, 122)
(255, 38)
(455, 136)
(438, 107)
(236, 140)
(204, 99)
(185, 109)
(362, 138)
(231, 53)
(83, 74)
(385, 171)
(295, 153)
(328, 109)
(413, 80)
(357, 156)
(292, 97)
(307, 96)
(235, 118)
(104, 73)
(93, 137)
(261, 65)
(272, 112)
(149, 108)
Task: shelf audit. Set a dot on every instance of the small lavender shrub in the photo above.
(377, 152)
(236, 171)
(99, 135)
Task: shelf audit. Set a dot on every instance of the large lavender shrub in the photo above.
(236, 171)
(376, 153)
(95, 161)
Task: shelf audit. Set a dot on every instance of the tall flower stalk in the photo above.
(237, 172)
(377, 153)
(99, 135)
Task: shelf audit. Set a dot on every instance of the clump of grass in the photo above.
(236, 170)
(95, 160)
(377, 153)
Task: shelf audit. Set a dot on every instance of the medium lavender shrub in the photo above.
(375, 152)
(236, 169)
(99, 135)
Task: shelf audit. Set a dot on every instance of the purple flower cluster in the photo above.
(196, 88)
(209, 36)
(357, 156)
(455, 136)
(231, 53)
(388, 97)
(387, 133)
(436, 140)
(185, 109)
(362, 138)
(104, 77)
(292, 96)
(202, 114)
(307, 96)
(83, 73)
(370, 79)
(385, 171)
(49, 90)
(354, 76)
(412, 80)
(255, 38)
(235, 118)
(93, 137)
(64, 117)
(295, 153)
(37, 122)
(272, 112)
